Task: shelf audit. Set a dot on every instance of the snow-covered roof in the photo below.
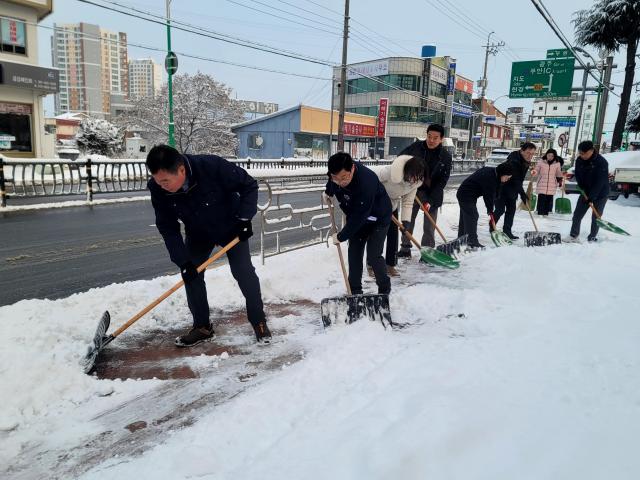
(266, 117)
(70, 116)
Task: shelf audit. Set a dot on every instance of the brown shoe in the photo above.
(195, 336)
(392, 271)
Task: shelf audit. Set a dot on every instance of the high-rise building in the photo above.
(93, 67)
(145, 78)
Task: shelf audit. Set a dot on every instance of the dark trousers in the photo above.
(506, 205)
(371, 238)
(581, 208)
(242, 269)
(428, 230)
(545, 204)
(391, 253)
(468, 222)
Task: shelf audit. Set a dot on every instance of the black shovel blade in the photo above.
(348, 309)
(456, 247)
(100, 339)
(541, 239)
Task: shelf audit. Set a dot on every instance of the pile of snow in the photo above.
(524, 363)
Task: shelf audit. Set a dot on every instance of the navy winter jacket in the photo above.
(513, 187)
(481, 183)
(363, 201)
(438, 164)
(593, 176)
(218, 194)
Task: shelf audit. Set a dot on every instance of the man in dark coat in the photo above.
(367, 207)
(592, 176)
(215, 200)
(486, 183)
(437, 170)
(506, 201)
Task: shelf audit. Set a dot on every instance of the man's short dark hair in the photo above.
(527, 146)
(585, 146)
(164, 157)
(340, 161)
(436, 127)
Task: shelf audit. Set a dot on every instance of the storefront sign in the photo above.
(28, 76)
(451, 78)
(438, 74)
(464, 85)
(17, 108)
(372, 69)
(359, 130)
(460, 134)
(462, 110)
(382, 117)
(249, 106)
(491, 142)
(436, 106)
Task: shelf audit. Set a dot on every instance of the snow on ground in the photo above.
(524, 363)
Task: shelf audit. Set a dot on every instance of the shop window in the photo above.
(13, 36)
(255, 141)
(15, 127)
(437, 90)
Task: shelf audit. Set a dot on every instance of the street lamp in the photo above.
(601, 70)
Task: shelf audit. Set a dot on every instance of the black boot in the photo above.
(511, 235)
(263, 335)
(195, 336)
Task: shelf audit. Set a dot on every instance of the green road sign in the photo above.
(541, 78)
(171, 63)
(559, 53)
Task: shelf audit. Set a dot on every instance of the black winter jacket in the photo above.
(364, 201)
(218, 194)
(593, 176)
(513, 187)
(481, 183)
(438, 164)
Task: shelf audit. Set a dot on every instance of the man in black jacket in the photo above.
(485, 183)
(437, 170)
(592, 176)
(367, 207)
(215, 200)
(506, 201)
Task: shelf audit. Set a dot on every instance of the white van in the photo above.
(497, 156)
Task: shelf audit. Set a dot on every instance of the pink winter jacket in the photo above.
(547, 175)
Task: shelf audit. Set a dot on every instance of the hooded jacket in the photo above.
(401, 192)
(548, 175)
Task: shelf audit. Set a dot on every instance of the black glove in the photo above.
(524, 197)
(189, 272)
(243, 230)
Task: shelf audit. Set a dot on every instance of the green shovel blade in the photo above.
(563, 205)
(611, 227)
(500, 239)
(437, 258)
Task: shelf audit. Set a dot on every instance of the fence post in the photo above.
(89, 181)
(281, 162)
(3, 192)
(248, 163)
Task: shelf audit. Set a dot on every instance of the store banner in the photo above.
(382, 117)
(359, 130)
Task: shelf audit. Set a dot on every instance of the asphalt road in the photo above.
(53, 253)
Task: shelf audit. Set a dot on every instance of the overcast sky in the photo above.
(458, 28)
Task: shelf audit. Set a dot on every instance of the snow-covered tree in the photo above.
(633, 118)
(203, 113)
(610, 24)
(98, 136)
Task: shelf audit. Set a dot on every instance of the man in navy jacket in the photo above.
(367, 207)
(592, 176)
(215, 200)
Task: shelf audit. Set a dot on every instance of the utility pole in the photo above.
(490, 48)
(333, 84)
(585, 77)
(170, 72)
(605, 97)
(343, 78)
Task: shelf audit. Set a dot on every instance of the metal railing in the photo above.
(293, 163)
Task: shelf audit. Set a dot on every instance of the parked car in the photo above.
(624, 174)
(497, 156)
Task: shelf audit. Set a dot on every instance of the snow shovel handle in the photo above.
(526, 204)
(406, 232)
(334, 229)
(428, 215)
(177, 286)
(595, 211)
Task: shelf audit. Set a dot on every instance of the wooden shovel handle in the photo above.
(335, 230)
(406, 232)
(595, 211)
(526, 204)
(428, 215)
(177, 286)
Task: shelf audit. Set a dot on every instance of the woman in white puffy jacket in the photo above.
(401, 180)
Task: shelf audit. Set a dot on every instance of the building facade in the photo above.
(145, 78)
(23, 83)
(490, 128)
(94, 68)
(303, 132)
(420, 91)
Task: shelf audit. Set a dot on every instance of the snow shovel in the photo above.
(533, 198)
(350, 308)
(498, 237)
(603, 223)
(563, 205)
(101, 340)
(538, 238)
(453, 248)
(428, 254)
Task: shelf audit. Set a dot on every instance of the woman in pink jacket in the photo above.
(549, 173)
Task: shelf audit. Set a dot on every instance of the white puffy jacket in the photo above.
(400, 192)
